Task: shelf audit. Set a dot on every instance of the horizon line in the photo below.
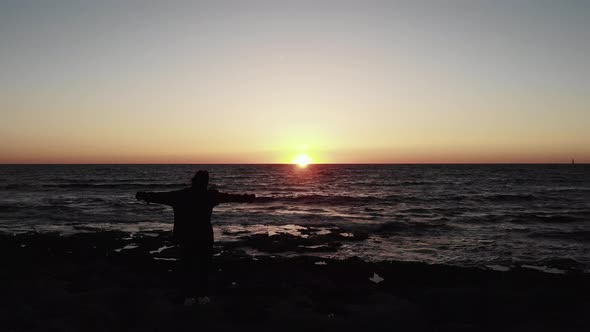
(311, 164)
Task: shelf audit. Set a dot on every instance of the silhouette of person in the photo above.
(192, 230)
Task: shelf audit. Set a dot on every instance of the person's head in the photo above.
(201, 180)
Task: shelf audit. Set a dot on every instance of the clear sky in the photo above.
(261, 81)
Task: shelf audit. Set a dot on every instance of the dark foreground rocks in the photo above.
(85, 283)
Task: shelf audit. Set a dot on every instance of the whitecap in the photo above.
(165, 259)
(159, 250)
(498, 268)
(127, 247)
(545, 269)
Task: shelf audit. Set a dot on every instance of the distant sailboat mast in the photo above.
(573, 161)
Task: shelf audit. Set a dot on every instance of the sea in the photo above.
(493, 216)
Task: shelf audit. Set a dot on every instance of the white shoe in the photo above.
(203, 300)
(189, 301)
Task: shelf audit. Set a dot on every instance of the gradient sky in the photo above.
(260, 81)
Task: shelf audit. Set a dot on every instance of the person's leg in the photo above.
(188, 261)
(205, 256)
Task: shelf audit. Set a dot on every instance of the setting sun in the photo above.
(302, 160)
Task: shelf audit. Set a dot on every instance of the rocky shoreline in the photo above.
(109, 281)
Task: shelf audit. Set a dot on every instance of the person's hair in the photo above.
(201, 179)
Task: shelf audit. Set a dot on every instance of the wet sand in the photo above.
(84, 282)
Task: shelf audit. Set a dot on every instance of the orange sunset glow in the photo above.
(360, 83)
(302, 160)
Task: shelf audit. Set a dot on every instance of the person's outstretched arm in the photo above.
(233, 198)
(168, 197)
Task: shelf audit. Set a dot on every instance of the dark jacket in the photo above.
(192, 212)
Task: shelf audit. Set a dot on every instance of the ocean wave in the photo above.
(91, 185)
(500, 197)
(13, 186)
(410, 183)
(7, 208)
(116, 185)
(579, 235)
(543, 218)
(322, 199)
(406, 227)
(355, 199)
(521, 218)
